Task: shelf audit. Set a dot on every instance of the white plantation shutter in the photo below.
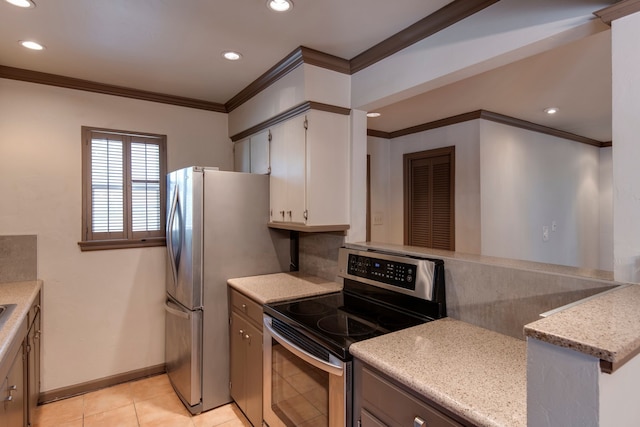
(107, 186)
(145, 187)
(124, 189)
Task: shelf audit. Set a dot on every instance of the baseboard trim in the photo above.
(78, 389)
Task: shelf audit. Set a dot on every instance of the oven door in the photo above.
(302, 386)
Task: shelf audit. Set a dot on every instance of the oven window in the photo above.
(299, 391)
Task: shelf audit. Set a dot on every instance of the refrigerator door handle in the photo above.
(170, 222)
(175, 312)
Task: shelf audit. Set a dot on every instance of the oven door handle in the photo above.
(331, 368)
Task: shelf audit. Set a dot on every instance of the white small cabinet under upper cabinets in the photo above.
(310, 170)
(252, 154)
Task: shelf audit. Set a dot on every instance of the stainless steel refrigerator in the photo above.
(216, 230)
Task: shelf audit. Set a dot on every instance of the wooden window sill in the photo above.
(99, 245)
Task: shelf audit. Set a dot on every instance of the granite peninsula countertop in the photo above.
(606, 327)
(22, 294)
(277, 287)
(476, 373)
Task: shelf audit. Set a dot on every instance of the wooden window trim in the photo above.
(407, 159)
(140, 240)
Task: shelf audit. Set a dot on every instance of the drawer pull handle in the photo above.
(419, 422)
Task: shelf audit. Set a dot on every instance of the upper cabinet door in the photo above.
(288, 166)
(260, 153)
(278, 178)
(294, 133)
(242, 156)
(327, 171)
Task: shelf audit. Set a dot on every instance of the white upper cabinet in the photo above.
(252, 154)
(309, 170)
(242, 156)
(260, 153)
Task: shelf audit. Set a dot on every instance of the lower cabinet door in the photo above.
(238, 358)
(14, 397)
(246, 367)
(253, 378)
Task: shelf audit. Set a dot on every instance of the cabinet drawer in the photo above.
(246, 306)
(394, 407)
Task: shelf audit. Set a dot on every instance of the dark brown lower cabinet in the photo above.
(381, 402)
(20, 372)
(14, 408)
(245, 337)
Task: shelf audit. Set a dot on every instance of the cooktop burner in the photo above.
(345, 325)
(309, 308)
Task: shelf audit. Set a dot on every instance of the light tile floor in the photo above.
(150, 402)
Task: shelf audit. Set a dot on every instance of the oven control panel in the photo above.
(396, 272)
(385, 271)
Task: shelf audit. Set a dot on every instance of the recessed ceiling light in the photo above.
(231, 55)
(373, 115)
(279, 5)
(551, 110)
(22, 3)
(29, 44)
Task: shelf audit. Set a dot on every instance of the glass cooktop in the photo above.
(337, 320)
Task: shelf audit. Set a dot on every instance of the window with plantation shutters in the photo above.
(123, 189)
(429, 198)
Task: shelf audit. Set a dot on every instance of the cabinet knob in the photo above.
(241, 332)
(419, 422)
(244, 307)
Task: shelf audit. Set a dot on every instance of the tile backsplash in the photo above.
(18, 258)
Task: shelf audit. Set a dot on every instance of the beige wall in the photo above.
(509, 183)
(530, 180)
(103, 311)
(387, 158)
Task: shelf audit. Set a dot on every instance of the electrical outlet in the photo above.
(545, 233)
(377, 218)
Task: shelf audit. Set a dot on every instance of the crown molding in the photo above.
(105, 89)
(618, 10)
(286, 115)
(442, 18)
(494, 117)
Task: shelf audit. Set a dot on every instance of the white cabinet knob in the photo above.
(419, 422)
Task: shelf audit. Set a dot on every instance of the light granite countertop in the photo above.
(277, 287)
(606, 327)
(22, 294)
(473, 372)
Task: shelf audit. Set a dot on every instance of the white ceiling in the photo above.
(576, 78)
(174, 47)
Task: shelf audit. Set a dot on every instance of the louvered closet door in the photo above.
(429, 209)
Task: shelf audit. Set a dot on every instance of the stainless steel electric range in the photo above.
(307, 365)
